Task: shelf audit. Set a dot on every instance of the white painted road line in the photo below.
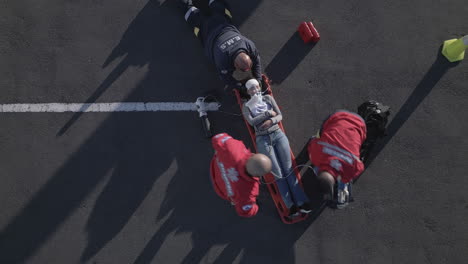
(104, 107)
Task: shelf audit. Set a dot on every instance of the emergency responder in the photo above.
(232, 53)
(236, 172)
(335, 153)
(342, 142)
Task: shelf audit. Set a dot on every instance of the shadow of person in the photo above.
(120, 198)
(137, 53)
(425, 86)
(287, 59)
(134, 150)
(148, 37)
(143, 157)
(212, 221)
(125, 146)
(149, 40)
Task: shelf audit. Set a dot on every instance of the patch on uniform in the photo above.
(219, 135)
(224, 71)
(232, 174)
(228, 43)
(336, 164)
(225, 139)
(247, 207)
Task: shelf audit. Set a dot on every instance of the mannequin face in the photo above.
(253, 90)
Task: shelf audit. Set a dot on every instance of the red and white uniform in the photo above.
(229, 175)
(337, 149)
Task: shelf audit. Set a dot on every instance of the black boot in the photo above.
(293, 211)
(305, 208)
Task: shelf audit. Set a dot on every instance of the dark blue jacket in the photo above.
(222, 44)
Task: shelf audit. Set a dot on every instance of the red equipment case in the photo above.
(308, 32)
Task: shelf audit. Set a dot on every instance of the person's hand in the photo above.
(273, 113)
(267, 124)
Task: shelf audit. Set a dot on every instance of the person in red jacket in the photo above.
(235, 173)
(343, 141)
(335, 153)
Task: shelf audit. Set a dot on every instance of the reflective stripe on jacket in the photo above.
(338, 146)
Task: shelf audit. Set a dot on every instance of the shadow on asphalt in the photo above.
(425, 86)
(128, 152)
(262, 239)
(287, 59)
(141, 42)
(140, 45)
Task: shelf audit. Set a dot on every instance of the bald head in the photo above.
(243, 62)
(258, 165)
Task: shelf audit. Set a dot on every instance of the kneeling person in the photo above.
(344, 139)
(235, 173)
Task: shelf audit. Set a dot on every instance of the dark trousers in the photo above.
(203, 24)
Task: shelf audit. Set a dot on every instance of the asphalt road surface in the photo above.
(134, 187)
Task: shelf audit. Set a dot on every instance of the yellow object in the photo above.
(195, 31)
(454, 49)
(227, 12)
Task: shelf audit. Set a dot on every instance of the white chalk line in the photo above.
(104, 107)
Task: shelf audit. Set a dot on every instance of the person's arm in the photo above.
(254, 121)
(218, 141)
(256, 62)
(257, 67)
(214, 173)
(246, 204)
(246, 210)
(276, 119)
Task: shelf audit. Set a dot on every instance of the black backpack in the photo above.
(375, 115)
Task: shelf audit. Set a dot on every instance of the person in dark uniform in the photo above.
(223, 44)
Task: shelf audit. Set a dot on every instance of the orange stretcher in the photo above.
(269, 178)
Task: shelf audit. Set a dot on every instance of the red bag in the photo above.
(308, 32)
